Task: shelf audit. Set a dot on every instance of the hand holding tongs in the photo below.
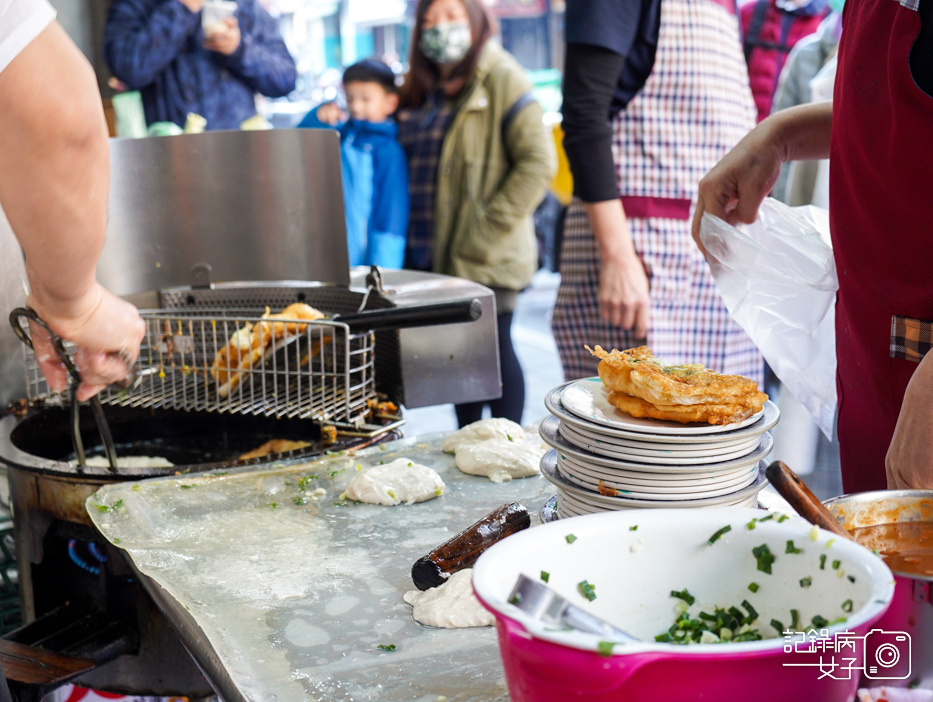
(96, 409)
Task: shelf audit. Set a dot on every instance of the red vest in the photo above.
(768, 35)
(881, 213)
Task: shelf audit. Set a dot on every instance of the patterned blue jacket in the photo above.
(156, 46)
(375, 190)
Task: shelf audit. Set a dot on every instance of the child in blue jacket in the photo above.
(375, 173)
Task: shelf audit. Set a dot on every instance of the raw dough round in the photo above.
(130, 462)
(394, 483)
(500, 460)
(451, 605)
(495, 428)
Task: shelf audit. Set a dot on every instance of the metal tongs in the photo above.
(16, 317)
(538, 600)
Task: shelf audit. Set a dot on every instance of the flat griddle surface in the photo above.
(293, 599)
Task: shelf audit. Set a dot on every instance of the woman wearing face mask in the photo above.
(479, 162)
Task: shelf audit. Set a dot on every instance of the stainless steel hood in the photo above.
(250, 205)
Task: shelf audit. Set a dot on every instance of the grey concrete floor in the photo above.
(537, 352)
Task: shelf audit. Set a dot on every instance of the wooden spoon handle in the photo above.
(465, 548)
(808, 506)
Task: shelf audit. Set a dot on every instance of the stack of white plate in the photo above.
(604, 459)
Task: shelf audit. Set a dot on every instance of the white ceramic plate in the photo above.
(588, 399)
(584, 481)
(683, 479)
(583, 437)
(549, 431)
(654, 493)
(591, 479)
(549, 471)
(769, 417)
(566, 464)
(637, 455)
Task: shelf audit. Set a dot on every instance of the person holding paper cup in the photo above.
(207, 57)
(876, 133)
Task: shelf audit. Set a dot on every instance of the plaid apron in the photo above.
(694, 107)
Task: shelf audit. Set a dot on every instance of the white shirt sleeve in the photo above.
(21, 21)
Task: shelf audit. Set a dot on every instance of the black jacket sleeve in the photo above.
(591, 74)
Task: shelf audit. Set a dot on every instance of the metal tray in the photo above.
(283, 601)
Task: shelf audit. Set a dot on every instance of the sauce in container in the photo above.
(906, 547)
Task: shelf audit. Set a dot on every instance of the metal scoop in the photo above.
(538, 600)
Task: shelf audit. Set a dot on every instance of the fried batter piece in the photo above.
(685, 414)
(644, 386)
(248, 345)
(274, 446)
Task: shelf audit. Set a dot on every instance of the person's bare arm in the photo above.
(54, 181)
(908, 462)
(734, 188)
(624, 298)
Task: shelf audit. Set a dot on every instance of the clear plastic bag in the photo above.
(777, 277)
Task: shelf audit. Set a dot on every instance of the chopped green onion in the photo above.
(272, 505)
(299, 500)
(765, 519)
(819, 622)
(605, 648)
(684, 595)
(847, 606)
(633, 528)
(545, 576)
(806, 582)
(570, 538)
(764, 557)
(753, 587)
(778, 626)
(836, 565)
(386, 647)
(752, 612)
(751, 524)
(715, 537)
(814, 533)
(794, 620)
(830, 543)
(851, 578)
(516, 599)
(791, 548)
(588, 590)
(782, 518)
(822, 561)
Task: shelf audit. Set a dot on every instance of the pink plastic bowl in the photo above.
(634, 572)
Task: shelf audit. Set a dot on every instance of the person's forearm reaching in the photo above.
(734, 189)
(54, 180)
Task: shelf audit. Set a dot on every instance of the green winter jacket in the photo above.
(487, 187)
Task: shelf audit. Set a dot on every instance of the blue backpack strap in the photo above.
(509, 116)
(750, 41)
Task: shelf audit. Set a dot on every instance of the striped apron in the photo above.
(695, 106)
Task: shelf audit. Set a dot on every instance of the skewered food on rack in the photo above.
(247, 346)
(644, 386)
